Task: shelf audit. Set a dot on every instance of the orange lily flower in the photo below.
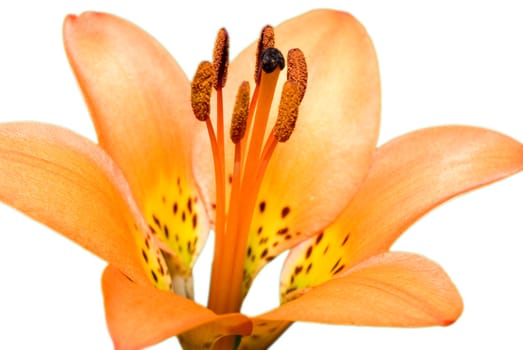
(325, 193)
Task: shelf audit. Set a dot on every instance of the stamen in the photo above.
(221, 59)
(265, 41)
(287, 111)
(297, 69)
(201, 89)
(240, 113)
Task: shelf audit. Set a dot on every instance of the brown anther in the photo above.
(201, 89)
(221, 59)
(297, 69)
(287, 111)
(265, 41)
(240, 113)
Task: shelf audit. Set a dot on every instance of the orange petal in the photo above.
(410, 176)
(58, 178)
(140, 316)
(264, 334)
(312, 176)
(139, 101)
(392, 289)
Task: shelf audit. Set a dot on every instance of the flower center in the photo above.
(253, 146)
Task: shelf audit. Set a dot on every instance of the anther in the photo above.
(221, 59)
(266, 40)
(272, 58)
(297, 69)
(201, 88)
(240, 113)
(287, 111)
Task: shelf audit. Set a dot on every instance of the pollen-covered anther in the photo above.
(265, 41)
(287, 111)
(297, 69)
(201, 89)
(221, 59)
(240, 113)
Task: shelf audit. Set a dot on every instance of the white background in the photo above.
(441, 63)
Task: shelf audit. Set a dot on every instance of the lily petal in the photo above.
(140, 316)
(410, 176)
(264, 333)
(311, 177)
(57, 177)
(139, 101)
(392, 289)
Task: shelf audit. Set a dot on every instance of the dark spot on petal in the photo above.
(264, 253)
(285, 211)
(145, 257)
(290, 290)
(160, 267)
(154, 276)
(336, 265)
(298, 269)
(152, 229)
(339, 269)
(326, 249)
(249, 251)
(319, 238)
(283, 231)
(260, 229)
(166, 231)
(262, 206)
(263, 240)
(189, 205)
(345, 239)
(157, 221)
(309, 252)
(183, 216)
(194, 221)
(308, 268)
(175, 208)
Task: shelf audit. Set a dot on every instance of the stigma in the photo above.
(253, 140)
